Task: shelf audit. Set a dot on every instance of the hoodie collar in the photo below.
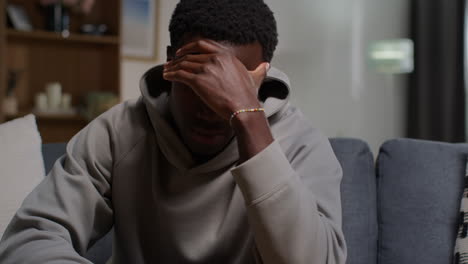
(274, 94)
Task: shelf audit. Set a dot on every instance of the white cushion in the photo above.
(21, 165)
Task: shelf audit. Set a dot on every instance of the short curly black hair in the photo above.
(238, 22)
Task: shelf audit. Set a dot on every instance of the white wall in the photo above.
(132, 70)
(323, 50)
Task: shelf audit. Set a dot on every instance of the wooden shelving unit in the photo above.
(40, 35)
(3, 81)
(80, 63)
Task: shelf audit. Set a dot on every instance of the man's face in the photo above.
(201, 129)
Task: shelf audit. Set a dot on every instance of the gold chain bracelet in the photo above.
(248, 110)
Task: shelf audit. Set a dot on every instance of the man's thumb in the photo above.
(260, 73)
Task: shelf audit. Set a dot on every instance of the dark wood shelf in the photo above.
(53, 36)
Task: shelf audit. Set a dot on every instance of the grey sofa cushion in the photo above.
(358, 196)
(419, 190)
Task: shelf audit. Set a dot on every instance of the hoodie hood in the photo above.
(273, 94)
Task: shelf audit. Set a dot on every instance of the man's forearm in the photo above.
(293, 207)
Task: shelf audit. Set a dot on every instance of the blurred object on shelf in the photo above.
(99, 102)
(94, 29)
(81, 6)
(53, 101)
(57, 13)
(13, 76)
(57, 18)
(54, 95)
(18, 18)
(40, 102)
(65, 103)
(10, 105)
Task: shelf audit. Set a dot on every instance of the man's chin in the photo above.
(206, 151)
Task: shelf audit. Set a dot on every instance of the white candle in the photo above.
(41, 102)
(54, 95)
(66, 101)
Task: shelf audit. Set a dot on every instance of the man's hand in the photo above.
(216, 76)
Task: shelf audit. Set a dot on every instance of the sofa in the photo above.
(401, 209)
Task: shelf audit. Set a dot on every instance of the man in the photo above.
(211, 164)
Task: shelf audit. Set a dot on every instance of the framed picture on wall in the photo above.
(139, 29)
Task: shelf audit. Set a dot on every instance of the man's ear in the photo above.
(169, 53)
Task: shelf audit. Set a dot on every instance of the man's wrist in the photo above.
(252, 132)
(247, 121)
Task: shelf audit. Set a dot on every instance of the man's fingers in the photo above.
(260, 73)
(182, 76)
(193, 67)
(199, 46)
(200, 58)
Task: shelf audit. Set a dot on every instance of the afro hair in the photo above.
(238, 22)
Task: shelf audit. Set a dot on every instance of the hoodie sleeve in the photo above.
(292, 193)
(70, 209)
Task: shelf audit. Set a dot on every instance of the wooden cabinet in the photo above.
(3, 81)
(80, 63)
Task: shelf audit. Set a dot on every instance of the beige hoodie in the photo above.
(129, 170)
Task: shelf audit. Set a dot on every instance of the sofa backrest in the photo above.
(420, 185)
(412, 206)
